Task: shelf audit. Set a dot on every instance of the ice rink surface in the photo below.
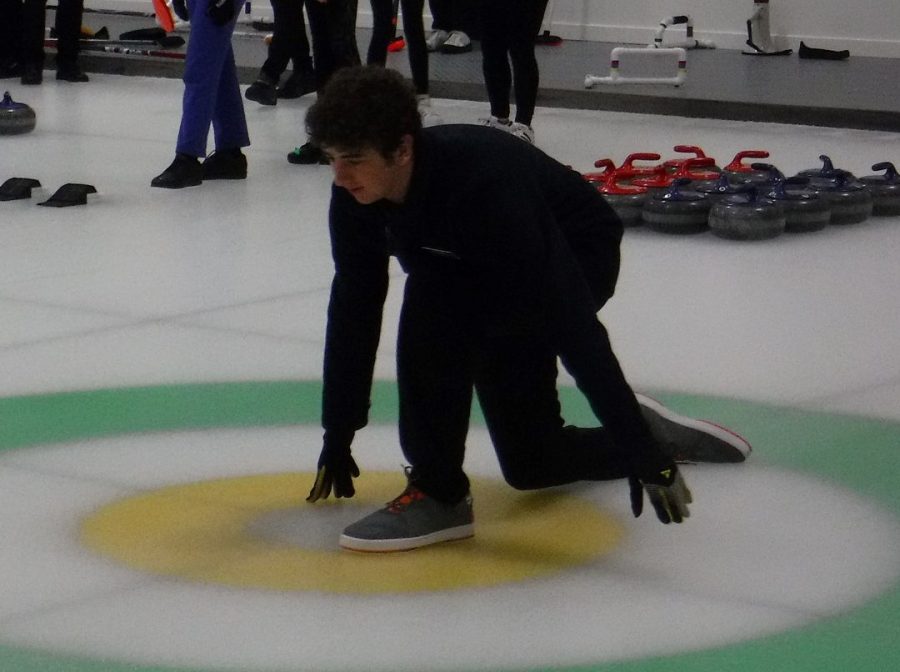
(227, 283)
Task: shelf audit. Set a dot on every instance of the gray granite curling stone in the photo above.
(15, 118)
(739, 172)
(804, 210)
(850, 200)
(885, 190)
(747, 217)
(627, 200)
(678, 210)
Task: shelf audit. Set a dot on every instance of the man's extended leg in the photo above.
(692, 440)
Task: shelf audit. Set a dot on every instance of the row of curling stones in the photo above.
(15, 118)
(683, 202)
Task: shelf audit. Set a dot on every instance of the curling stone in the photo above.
(597, 178)
(739, 172)
(678, 210)
(747, 217)
(718, 189)
(673, 165)
(628, 166)
(701, 169)
(15, 118)
(826, 172)
(885, 190)
(804, 211)
(626, 199)
(656, 183)
(849, 199)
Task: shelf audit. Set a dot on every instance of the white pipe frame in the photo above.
(688, 43)
(615, 78)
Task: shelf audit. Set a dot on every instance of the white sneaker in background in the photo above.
(429, 116)
(436, 39)
(522, 132)
(495, 122)
(457, 43)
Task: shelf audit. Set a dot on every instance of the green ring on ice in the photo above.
(858, 453)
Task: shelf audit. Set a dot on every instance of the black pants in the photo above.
(508, 31)
(414, 34)
(332, 27)
(24, 25)
(289, 40)
(455, 15)
(453, 340)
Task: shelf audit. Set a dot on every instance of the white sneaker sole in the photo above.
(407, 543)
(736, 441)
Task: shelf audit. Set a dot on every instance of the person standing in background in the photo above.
(289, 43)
(508, 31)
(332, 25)
(212, 97)
(22, 40)
(414, 34)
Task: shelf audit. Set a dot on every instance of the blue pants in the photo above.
(211, 91)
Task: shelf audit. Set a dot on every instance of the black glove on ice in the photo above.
(180, 9)
(667, 492)
(337, 469)
(220, 11)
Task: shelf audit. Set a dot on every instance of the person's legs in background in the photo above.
(34, 21)
(211, 93)
(509, 29)
(229, 127)
(495, 19)
(68, 31)
(332, 26)
(289, 43)
(524, 64)
(382, 31)
(10, 38)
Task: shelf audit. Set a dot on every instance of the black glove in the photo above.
(180, 9)
(667, 492)
(220, 11)
(337, 469)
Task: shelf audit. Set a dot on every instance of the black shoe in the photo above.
(184, 171)
(10, 68)
(70, 73)
(32, 74)
(226, 164)
(262, 92)
(825, 54)
(307, 154)
(298, 84)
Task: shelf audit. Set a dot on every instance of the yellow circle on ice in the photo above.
(258, 532)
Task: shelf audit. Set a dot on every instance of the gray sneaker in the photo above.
(410, 521)
(692, 440)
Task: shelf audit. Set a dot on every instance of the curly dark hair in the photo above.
(364, 106)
